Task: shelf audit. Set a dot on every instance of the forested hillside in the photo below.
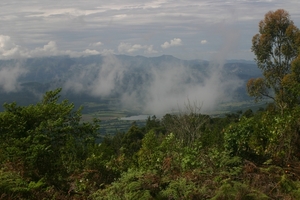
(47, 152)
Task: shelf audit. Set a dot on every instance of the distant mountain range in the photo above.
(128, 78)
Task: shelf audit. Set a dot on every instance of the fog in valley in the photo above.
(148, 84)
(156, 87)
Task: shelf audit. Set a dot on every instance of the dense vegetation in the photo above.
(47, 152)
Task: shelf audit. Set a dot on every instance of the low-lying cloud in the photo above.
(99, 81)
(159, 89)
(148, 85)
(9, 77)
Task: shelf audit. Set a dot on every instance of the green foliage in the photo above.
(58, 151)
(180, 189)
(48, 147)
(12, 182)
(131, 141)
(148, 155)
(47, 139)
(14, 186)
(132, 185)
(97, 169)
(237, 190)
(168, 170)
(265, 135)
(237, 137)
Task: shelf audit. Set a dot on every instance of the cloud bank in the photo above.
(99, 81)
(157, 90)
(9, 77)
(10, 50)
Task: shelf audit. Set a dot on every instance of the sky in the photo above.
(190, 29)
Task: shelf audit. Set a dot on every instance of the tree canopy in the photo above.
(46, 142)
(276, 46)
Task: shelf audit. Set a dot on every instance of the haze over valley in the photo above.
(137, 84)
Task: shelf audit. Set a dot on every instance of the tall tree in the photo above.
(275, 47)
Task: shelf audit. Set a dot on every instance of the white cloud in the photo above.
(119, 17)
(91, 52)
(9, 78)
(129, 48)
(6, 43)
(150, 50)
(203, 41)
(107, 52)
(172, 43)
(96, 44)
(49, 49)
(8, 49)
